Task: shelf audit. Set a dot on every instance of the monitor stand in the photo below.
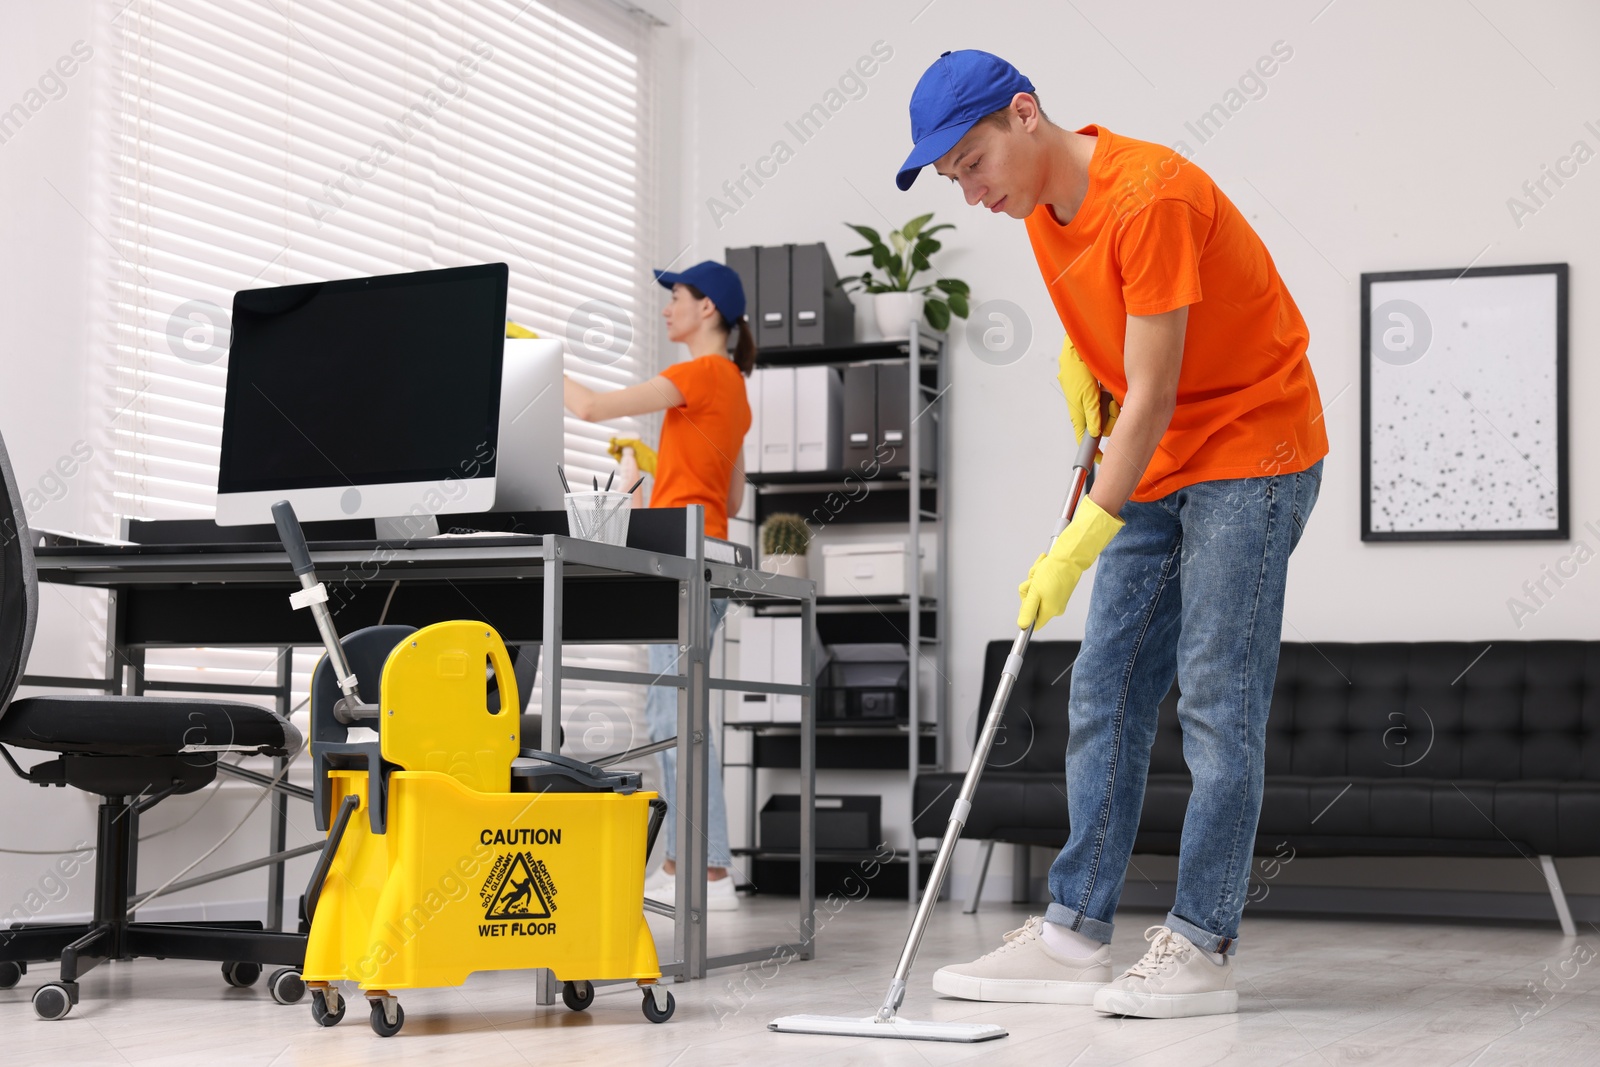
(405, 528)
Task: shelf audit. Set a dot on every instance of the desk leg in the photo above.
(134, 687)
(550, 654)
(111, 668)
(549, 989)
(693, 767)
(278, 830)
(135, 676)
(550, 701)
(694, 733)
(808, 783)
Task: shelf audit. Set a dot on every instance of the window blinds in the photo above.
(295, 140)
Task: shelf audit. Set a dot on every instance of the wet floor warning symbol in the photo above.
(518, 887)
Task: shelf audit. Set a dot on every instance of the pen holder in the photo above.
(601, 516)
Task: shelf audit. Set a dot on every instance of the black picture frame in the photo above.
(1562, 530)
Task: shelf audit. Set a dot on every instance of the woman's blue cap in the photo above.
(719, 282)
(958, 90)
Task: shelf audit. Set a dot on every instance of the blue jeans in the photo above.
(1193, 585)
(661, 717)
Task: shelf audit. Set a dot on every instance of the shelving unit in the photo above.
(914, 498)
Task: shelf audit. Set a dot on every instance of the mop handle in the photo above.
(1081, 467)
(314, 595)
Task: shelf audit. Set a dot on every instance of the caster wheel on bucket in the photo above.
(658, 1007)
(52, 1001)
(327, 1007)
(286, 986)
(577, 995)
(382, 1024)
(241, 975)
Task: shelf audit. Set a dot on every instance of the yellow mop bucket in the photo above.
(450, 853)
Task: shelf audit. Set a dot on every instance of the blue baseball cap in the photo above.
(953, 94)
(719, 282)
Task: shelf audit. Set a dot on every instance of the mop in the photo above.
(887, 1023)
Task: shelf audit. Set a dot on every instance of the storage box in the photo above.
(755, 665)
(786, 634)
(869, 569)
(769, 651)
(842, 822)
(865, 683)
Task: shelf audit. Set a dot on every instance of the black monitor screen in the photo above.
(364, 381)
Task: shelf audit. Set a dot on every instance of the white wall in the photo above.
(45, 246)
(1390, 140)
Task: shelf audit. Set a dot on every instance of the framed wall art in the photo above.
(1464, 404)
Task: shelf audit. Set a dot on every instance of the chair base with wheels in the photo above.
(243, 948)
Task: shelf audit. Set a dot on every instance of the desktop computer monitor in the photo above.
(381, 397)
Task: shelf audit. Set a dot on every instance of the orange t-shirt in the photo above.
(1154, 233)
(702, 438)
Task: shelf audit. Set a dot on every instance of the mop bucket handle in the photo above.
(658, 818)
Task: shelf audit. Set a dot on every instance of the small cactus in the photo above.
(785, 535)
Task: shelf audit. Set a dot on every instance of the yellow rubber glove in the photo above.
(1054, 575)
(643, 454)
(1082, 391)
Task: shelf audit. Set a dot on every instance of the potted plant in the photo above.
(895, 295)
(784, 540)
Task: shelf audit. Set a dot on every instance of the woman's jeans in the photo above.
(1192, 585)
(661, 717)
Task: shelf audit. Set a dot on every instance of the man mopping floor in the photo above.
(1171, 304)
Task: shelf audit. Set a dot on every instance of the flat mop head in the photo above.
(903, 1029)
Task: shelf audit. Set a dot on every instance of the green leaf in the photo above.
(896, 271)
(937, 312)
(911, 228)
(866, 231)
(958, 304)
(860, 252)
(935, 229)
(953, 285)
(927, 246)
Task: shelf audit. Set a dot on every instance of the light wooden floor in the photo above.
(1311, 992)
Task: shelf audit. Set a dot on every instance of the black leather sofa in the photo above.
(1373, 749)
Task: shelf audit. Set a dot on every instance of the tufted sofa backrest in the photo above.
(1454, 710)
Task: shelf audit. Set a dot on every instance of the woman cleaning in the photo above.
(700, 460)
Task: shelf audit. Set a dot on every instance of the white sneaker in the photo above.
(1176, 979)
(720, 893)
(1025, 970)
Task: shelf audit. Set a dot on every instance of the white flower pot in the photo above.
(866, 319)
(790, 566)
(895, 313)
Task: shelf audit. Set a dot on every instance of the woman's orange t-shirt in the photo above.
(1154, 234)
(702, 438)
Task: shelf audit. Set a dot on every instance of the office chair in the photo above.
(134, 752)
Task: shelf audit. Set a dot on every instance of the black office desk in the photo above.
(544, 588)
